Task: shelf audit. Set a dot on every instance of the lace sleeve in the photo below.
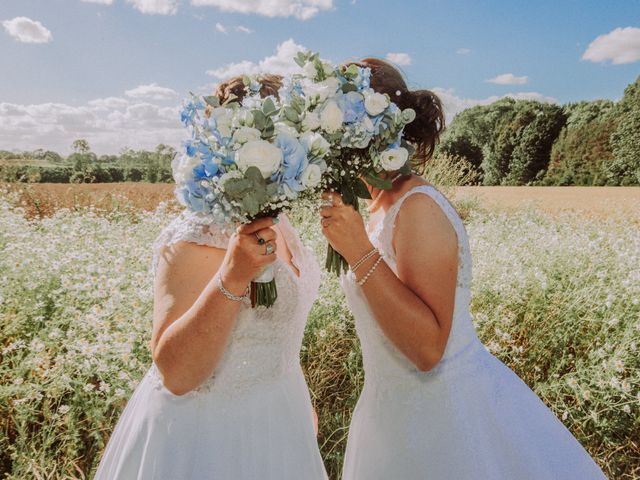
(191, 227)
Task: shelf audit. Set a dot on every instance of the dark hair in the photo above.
(424, 132)
(270, 83)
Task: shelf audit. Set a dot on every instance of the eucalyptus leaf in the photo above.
(268, 107)
(360, 189)
(349, 87)
(377, 182)
(291, 114)
(212, 100)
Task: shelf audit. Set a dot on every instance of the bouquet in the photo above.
(361, 130)
(246, 160)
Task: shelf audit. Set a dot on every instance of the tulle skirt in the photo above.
(265, 433)
(472, 420)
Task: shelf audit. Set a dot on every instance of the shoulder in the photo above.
(421, 216)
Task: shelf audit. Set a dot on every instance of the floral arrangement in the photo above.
(244, 161)
(327, 129)
(359, 128)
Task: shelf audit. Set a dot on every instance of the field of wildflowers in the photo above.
(557, 298)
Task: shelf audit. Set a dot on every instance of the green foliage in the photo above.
(522, 142)
(625, 166)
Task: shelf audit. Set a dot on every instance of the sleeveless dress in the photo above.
(252, 419)
(470, 417)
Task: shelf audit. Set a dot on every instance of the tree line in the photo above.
(84, 166)
(526, 142)
(509, 142)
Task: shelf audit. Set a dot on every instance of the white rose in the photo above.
(281, 127)
(182, 166)
(321, 90)
(311, 121)
(246, 134)
(315, 143)
(311, 175)
(375, 103)
(394, 158)
(331, 117)
(261, 154)
(224, 118)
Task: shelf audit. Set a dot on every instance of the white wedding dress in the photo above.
(253, 418)
(470, 417)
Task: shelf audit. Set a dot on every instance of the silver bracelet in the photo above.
(368, 274)
(366, 257)
(231, 296)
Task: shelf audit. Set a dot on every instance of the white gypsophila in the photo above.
(315, 144)
(331, 117)
(311, 176)
(281, 127)
(224, 119)
(375, 103)
(245, 134)
(261, 154)
(394, 158)
(182, 166)
(311, 121)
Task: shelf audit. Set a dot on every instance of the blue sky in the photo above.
(114, 71)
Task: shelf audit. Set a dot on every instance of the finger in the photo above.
(256, 225)
(327, 211)
(266, 234)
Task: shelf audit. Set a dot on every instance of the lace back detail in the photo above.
(191, 227)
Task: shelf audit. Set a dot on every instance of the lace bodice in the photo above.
(265, 342)
(381, 358)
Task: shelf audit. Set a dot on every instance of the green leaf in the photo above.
(255, 175)
(212, 100)
(237, 187)
(268, 107)
(291, 115)
(360, 189)
(250, 204)
(259, 119)
(349, 87)
(377, 182)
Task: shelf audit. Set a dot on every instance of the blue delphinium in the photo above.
(352, 106)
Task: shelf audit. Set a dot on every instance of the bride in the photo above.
(225, 397)
(435, 403)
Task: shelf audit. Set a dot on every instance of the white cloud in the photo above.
(108, 124)
(152, 91)
(399, 58)
(463, 51)
(221, 28)
(243, 29)
(26, 30)
(156, 7)
(453, 104)
(621, 46)
(508, 79)
(282, 63)
(301, 9)
(101, 2)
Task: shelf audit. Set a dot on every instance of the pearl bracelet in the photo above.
(231, 296)
(368, 274)
(366, 257)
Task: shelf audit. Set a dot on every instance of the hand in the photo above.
(245, 257)
(344, 228)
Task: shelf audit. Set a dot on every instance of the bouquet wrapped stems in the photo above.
(264, 291)
(335, 262)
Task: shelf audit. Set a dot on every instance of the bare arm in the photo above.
(192, 318)
(415, 308)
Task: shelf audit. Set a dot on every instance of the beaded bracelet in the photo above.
(368, 274)
(231, 296)
(364, 258)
